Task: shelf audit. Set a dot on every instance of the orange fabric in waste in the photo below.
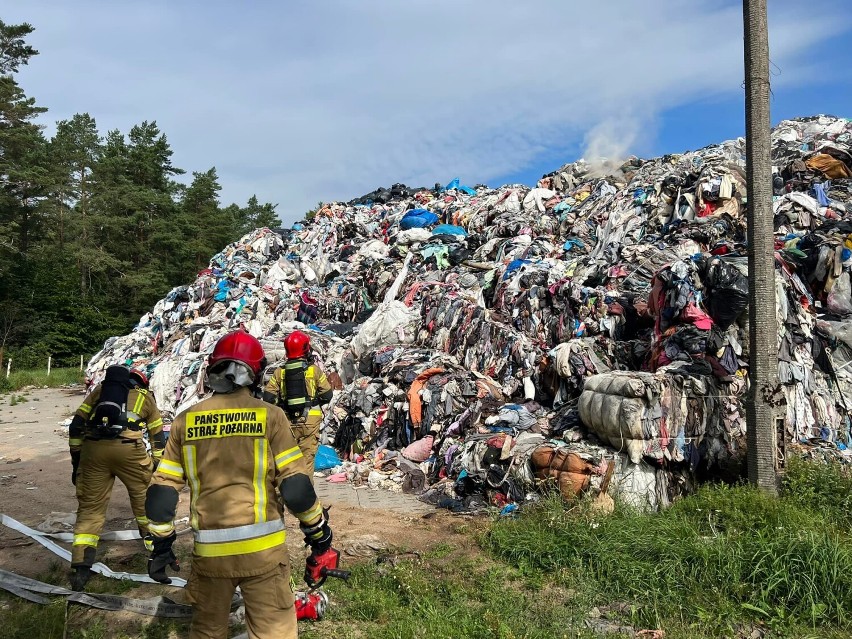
(829, 166)
(415, 405)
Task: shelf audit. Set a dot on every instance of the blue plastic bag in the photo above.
(222, 292)
(449, 229)
(514, 265)
(413, 222)
(417, 219)
(326, 458)
(417, 213)
(457, 185)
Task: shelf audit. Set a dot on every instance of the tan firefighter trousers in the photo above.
(270, 613)
(101, 461)
(307, 434)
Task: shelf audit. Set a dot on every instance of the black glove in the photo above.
(161, 557)
(318, 536)
(75, 464)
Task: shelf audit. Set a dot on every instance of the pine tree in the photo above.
(133, 199)
(256, 215)
(208, 229)
(74, 152)
(14, 51)
(94, 230)
(23, 156)
(150, 171)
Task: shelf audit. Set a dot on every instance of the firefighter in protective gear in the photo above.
(107, 440)
(234, 451)
(300, 388)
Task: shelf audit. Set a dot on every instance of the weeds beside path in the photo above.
(726, 562)
(39, 378)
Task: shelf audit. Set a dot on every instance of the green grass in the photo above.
(455, 595)
(824, 489)
(722, 559)
(725, 562)
(23, 378)
(21, 619)
(24, 620)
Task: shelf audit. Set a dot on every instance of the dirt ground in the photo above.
(35, 481)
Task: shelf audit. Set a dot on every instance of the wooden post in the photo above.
(8, 366)
(48, 365)
(81, 362)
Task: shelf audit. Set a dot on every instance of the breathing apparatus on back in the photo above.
(110, 416)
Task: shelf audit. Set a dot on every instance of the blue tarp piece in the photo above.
(222, 293)
(417, 212)
(417, 222)
(514, 265)
(417, 219)
(449, 229)
(456, 184)
(326, 458)
(573, 243)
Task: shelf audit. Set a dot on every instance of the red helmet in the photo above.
(239, 346)
(297, 345)
(138, 377)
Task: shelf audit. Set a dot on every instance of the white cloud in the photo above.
(305, 101)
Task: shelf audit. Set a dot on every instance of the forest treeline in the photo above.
(94, 227)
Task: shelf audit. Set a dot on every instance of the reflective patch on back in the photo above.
(210, 424)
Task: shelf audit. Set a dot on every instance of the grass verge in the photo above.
(21, 379)
(726, 562)
(722, 560)
(455, 593)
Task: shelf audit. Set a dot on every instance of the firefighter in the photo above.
(107, 440)
(300, 388)
(234, 451)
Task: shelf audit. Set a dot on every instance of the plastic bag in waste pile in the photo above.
(840, 297)
(326, 458)
(727, 292)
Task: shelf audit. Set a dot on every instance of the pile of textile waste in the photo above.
(589, 333)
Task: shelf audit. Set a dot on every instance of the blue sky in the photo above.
(300, 102)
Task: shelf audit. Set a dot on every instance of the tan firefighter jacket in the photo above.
(233, 451)
(316, 383)
(140, 403)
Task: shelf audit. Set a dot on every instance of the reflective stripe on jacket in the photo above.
(316, 383)
(139, 401)
(233, 451)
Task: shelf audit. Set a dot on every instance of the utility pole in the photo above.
(763, 334)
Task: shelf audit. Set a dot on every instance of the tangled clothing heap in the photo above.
(522, 295)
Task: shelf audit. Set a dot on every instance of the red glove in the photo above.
(317, 563)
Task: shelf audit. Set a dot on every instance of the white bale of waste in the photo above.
(612, 406)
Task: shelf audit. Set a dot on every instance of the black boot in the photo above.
(80, 576)
(81, 573)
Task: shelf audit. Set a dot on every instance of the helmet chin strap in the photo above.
(230, 377)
